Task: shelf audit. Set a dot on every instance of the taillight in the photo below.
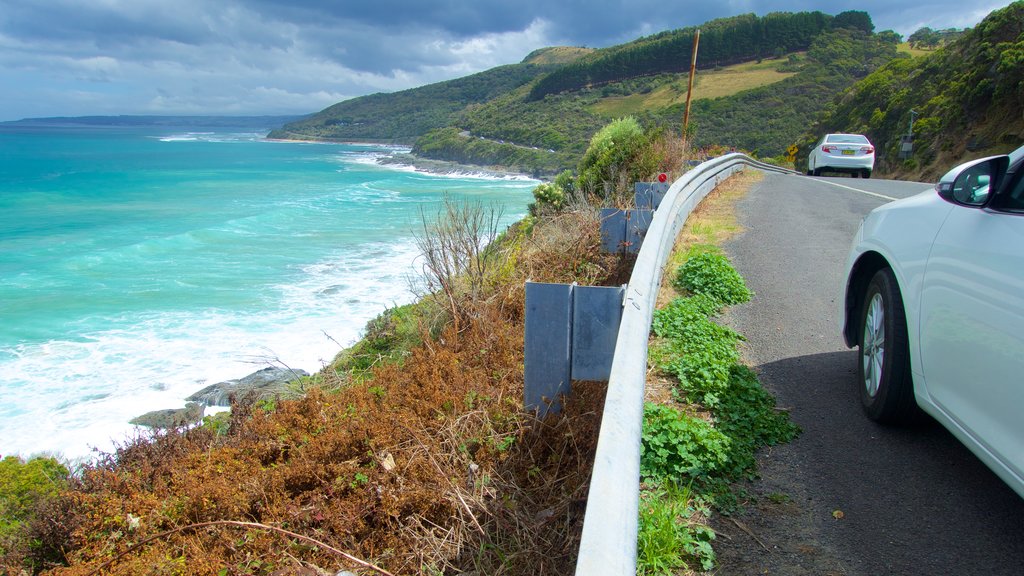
(867, 150)
(828, 148)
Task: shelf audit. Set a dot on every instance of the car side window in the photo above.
(1015, 193)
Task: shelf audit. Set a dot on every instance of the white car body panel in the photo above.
(960, 270)
(972, 330)
(902, 232)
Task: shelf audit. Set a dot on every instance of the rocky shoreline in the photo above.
(264, 383)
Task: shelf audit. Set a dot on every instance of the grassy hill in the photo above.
(716, 83)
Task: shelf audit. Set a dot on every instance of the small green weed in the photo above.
(267, 404)
(699, 352)
(669, 537)
(746, 414)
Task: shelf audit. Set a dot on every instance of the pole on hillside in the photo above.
(689, 90)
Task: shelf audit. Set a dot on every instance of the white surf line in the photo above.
(875, 194)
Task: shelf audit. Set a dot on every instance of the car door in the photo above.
(972, 325)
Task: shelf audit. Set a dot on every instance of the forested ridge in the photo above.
(722, 42)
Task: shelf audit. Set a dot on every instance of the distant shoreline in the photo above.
(420, 164)
(446, 168)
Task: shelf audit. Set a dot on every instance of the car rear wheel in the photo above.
(886, 386)
(865, 173)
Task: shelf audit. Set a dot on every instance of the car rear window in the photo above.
(847, 139)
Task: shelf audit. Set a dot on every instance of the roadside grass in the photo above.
(706, 436)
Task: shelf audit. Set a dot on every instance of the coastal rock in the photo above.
(171, 418)
(264, 382)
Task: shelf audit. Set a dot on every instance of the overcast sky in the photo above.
(231, 57)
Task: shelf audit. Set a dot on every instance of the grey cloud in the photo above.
(297, 55)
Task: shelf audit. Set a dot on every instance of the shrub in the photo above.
(23, 484)
(25, 488)
(547, 196)
(617, 152)
(711, 274)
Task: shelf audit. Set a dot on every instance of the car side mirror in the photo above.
(971, 183)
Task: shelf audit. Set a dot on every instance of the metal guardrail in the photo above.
(608, 545)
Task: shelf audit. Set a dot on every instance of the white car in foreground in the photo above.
(935, 302)
(851, 153)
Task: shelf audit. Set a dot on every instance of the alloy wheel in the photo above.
(873, 348)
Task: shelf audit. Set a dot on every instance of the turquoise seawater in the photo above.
(139, 264)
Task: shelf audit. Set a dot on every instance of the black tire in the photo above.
(816, 172)
(883, 360)
(810, 172)
(865, 174)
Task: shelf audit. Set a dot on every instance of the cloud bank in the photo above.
(77, 57)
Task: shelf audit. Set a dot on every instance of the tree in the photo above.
(924, 37)
(855, 19)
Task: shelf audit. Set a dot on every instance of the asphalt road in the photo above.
(848, 496)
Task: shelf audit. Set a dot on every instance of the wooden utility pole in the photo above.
(689, 90)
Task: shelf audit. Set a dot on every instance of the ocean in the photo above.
(141, 263)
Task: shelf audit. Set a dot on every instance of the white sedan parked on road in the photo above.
(851, 153)
(935, 301)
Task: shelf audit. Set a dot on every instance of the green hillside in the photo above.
(967, 96)
(768, 119)
(753, 111)
(538, 116)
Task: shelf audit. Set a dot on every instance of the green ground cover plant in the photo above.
(708, 437)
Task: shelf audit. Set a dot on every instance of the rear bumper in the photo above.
(848, 162)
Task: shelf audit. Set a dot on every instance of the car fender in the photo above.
(898, 235)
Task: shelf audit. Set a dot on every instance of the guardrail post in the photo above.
(648, 195)
(570, 335)
(624, 230)
(596, 314)
(546, 366)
